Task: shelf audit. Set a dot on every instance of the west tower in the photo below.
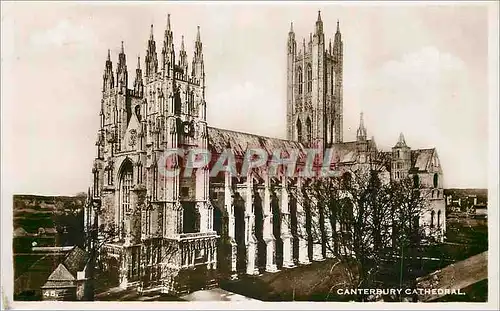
(314, 88)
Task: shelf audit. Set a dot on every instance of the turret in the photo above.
(291, 80)
(121, 71)
(337, 43)
(138, 84)
(361, 133)
(198, 65)
(108, 82)
(151, 57)
(168, 48)
(183, 57)
(292, 44)
(319, 25)
(401, 159)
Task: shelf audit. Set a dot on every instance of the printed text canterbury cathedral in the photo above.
(178, 234)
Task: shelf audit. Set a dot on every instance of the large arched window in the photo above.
(309, 129)
(309, 78)
(432, 219)
(125, 186)
(299, 130)
(439, 219)
(300, 79)
(436, 180)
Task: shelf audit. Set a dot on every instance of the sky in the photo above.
(417, 69)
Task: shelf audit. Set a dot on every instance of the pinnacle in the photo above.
(319, 16)
(182, 43)
(138, 62)
(168, 21)
(151, 34)
(401, 138)
(291, 26)
(109, 55)
(198, 36)
(122, 50)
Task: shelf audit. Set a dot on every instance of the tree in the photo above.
(363, 218)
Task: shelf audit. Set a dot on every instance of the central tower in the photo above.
(314, 88)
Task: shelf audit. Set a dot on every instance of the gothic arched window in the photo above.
(138, 112)
(177, 103)
(125, 186)
(300, 79)
(432, 219)
(299, 130)
(333, 82)
(309, 129)
(436, 180)
(191, 218)
(191, 103)
(439, 219)
(309, 78)
(332, 132)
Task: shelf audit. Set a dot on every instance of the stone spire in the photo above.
(138, 84)
(108, 78)
(292, 45)
(198, 66)
(319, 24)
(182, 55)
(151, 57)
(338, 35)
(168, 47)
(361, 133)
(401, 141)
(121, 70)
(198, 46)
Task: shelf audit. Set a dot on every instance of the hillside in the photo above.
(33, 212)
(51, 219)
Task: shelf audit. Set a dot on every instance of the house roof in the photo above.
(61, 273)
(20, 232)
(37, 273)
(76, 260)
(50, 230)
(421, 158)
(347, 152)
(55, 269)
(60, 277)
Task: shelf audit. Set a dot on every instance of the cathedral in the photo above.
(185, 232)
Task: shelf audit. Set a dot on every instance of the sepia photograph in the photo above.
(250, 152)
